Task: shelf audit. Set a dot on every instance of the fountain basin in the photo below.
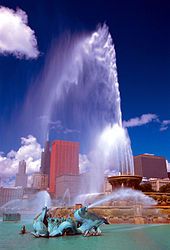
(130, 181)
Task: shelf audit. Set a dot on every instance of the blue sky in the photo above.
(140, 32)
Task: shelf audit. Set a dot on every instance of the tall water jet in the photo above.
(111, 151)
(82, 84)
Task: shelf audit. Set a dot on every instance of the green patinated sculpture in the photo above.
(40, 224)
(90, 222)
(85, 223)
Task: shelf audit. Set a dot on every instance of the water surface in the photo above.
(118, 237)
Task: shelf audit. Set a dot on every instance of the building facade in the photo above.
(21, 177)
(8, 194)
(67, 187)
(150, 166)
(39, 181)
(64, 161)
(157, 183)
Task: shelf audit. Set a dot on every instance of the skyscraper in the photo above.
(64, 161)
(45, 160)
(21, 177)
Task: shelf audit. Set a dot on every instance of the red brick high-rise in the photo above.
(64, 161)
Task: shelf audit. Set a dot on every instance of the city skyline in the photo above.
(141, 37)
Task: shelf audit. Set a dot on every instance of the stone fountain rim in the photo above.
(124, 176)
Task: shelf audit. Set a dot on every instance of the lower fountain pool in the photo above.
(119, 237)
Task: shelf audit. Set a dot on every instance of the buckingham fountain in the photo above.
(93, 59)
(91, 69)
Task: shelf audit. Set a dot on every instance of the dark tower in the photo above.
(45, 160)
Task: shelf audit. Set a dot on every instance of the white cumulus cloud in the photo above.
(147, 118)
(30, 151)
(164, 125)
(16, 37)
(139, 121)
(84, 163)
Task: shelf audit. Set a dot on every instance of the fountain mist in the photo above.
(127, 194)
(33, 204)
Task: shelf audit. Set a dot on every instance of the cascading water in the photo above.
(66, 198)
(82, 85)
(112, 150)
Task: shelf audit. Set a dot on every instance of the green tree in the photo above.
(146, 187)
(165, 188)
